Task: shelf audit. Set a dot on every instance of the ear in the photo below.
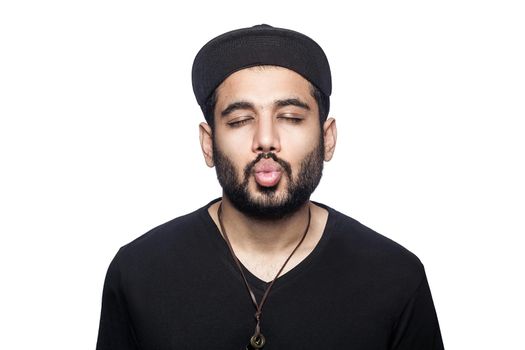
(206, 138)
(330, 138)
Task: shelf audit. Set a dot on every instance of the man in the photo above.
(263, 266)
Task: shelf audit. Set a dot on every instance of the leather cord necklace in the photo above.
(258, 340)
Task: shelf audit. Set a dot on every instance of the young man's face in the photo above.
(267, 111)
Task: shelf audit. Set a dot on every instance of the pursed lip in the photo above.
(266, 166)
(267, 172)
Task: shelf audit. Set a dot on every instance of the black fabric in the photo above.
(177, 287)
(259, 45)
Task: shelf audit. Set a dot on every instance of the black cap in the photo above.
(255, 46)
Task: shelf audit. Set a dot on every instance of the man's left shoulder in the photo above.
(374, 252)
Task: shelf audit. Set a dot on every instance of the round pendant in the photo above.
(257, 341)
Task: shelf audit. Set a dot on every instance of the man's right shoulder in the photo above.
(175, 236)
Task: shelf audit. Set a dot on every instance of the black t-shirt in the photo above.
(177, 287)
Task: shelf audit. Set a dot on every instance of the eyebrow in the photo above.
(237, 105)
(279, 103)
(292, 102)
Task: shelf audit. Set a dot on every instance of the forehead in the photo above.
(263, 84)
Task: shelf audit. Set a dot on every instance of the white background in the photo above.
(99, 143)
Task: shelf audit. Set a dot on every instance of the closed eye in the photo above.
(291, 119)
(237, 123)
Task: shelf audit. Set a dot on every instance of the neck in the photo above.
(269, 236)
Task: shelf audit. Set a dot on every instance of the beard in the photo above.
(268, 204)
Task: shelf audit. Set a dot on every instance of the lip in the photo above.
(267, 173)
(266, 165)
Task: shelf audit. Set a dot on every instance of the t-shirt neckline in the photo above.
(284, 279)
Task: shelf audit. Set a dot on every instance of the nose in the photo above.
(266, 137)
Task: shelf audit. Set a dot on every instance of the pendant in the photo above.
(256, 342)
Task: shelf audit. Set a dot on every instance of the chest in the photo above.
(215, 311)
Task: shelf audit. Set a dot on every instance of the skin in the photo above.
(291, 132)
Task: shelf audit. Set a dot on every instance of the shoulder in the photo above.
(371, 253)
(176, 237)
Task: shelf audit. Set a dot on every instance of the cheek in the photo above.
(300, 143)
(237, 156)
(300, 151)
(236, 142)
(233, 142)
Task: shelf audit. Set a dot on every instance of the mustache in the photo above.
(284, 164)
